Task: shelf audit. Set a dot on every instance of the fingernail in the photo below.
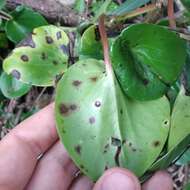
(119, 181)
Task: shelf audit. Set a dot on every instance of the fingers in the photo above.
(82, 183)
(20, 148)
(117, 178)
(160, 181)
(54, 171)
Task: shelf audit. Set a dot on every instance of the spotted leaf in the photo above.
(11, 87)
(102, 128)
(40, 57)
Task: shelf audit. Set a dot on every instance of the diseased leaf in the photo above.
(172, 155)
(101, 128)
(23, 22)
(11, 87)
(40, 57)
(91, 46)
(180, 120)
(144, 60)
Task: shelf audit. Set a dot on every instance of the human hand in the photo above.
(21, 169)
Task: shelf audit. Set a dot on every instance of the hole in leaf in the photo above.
(97, 103)
(24, 58)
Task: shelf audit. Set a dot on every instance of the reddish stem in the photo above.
(105, 43)
(171, 14)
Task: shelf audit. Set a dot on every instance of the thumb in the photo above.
(117, 178)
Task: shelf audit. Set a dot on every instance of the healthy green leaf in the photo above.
(101, 128)
(186, 3)
(23, 22)
(128, 6)
(80, 6)
(187, 187)
(40, 57)
(2, 3)
(3, 40)
(144, 60)
(185, 158)
(11, 87)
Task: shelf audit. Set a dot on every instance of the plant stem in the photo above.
(137, 12)
(105, 43)
(171, 14)
(5, 15)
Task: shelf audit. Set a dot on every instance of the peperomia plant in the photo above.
(112, 112)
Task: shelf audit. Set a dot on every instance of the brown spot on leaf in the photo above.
(63, 109)
(145, 81)
(55, 62)
(76, 83)
(16, 74)
(59, 35)
(134, 149)
(49, 39)
(73, 107)
(67, 109)
(97, 103)
(106, 147)
(97, 34)
(94, 79)
(24, 58)
(44, 56)
(78, 149)
(106, 168)
(156, 143)
(92, 120)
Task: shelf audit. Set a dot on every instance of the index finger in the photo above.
(21, 147)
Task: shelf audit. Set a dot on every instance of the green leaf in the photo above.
(187, 187)
(128, 6)
(80, 6)
(2, 3)
(23, 22)
(172, 155)
(185, 158)
(91, 46)
(11, 87)
(180, 127)
(3, 40)
(144, 60)
(186, 3)
(101, 128)
(40, 57)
